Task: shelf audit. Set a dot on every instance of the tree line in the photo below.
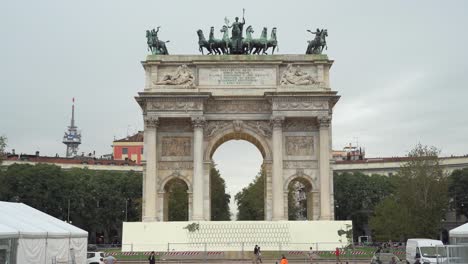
(411, 203)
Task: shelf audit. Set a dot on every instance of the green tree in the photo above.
(458, 191)
(421, 197)
(96, 201)
(178, 200)
(219, 198)
(356, 195)
(3, 144)
(388, 221)
(250, 201)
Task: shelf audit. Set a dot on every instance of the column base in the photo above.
(328, 217)
(198, 218)
(149, 219)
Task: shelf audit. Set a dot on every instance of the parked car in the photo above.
(94, 257)
(385, 258)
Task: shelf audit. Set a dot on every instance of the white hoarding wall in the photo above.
(233, 236)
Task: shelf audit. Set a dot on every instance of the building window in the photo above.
(124, 150)
(141, 151)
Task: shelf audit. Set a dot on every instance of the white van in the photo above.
(430, 250)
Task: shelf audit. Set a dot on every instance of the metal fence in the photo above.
(271, 252)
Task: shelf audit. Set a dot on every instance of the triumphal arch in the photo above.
(282, 104)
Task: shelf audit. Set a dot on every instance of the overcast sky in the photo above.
(401, 68)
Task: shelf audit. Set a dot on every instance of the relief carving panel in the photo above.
(299, 145)
(300, 164)
(175, 125)
(176, 146)
(228, 106)
(176, 165)
(299, 125)
(300, 105)
(173, 105)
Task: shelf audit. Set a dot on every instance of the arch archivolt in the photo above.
(306, 179)
(175, 175)
(256, 132)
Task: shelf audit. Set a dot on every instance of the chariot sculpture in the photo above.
(237, 43)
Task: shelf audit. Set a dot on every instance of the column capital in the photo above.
(151, 121)
(198, 122)
(277, 122)
(324, 121)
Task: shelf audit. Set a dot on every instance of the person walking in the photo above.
(255, 255)
(337, 255)
(259, 255)
(152, 258)
(110, 260)
(311, 255)
(284, 260)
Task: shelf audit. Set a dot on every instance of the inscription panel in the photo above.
(237, 76)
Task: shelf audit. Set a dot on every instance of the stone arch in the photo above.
(312, 194)
(258, 135)
(300, 175)
(175, 175)
(163, 195)
(242, 133)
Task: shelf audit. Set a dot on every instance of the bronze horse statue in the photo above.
(272, 42)
(317, 45)
(217, 45)
(155, 45)
(203, 43)
(260, 44)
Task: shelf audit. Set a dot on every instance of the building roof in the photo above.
(76, 160)
(138, 137)
(388, 159)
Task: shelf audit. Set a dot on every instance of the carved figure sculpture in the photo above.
(295, 76)
(182, 76)
(155, 45)
(318, 43)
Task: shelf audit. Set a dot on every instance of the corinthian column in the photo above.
(150, 180)
(324, 165)
(277, 178)
(198, 124)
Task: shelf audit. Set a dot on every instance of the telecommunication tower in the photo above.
(72, 137)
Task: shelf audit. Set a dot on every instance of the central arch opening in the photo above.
(238, 159)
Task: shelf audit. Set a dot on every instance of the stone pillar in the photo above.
(310, 206)
(277, 179)
(198, 190)
(151, 172)
(324, 165)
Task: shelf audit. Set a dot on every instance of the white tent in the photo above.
(28, 235)
(459, 235)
